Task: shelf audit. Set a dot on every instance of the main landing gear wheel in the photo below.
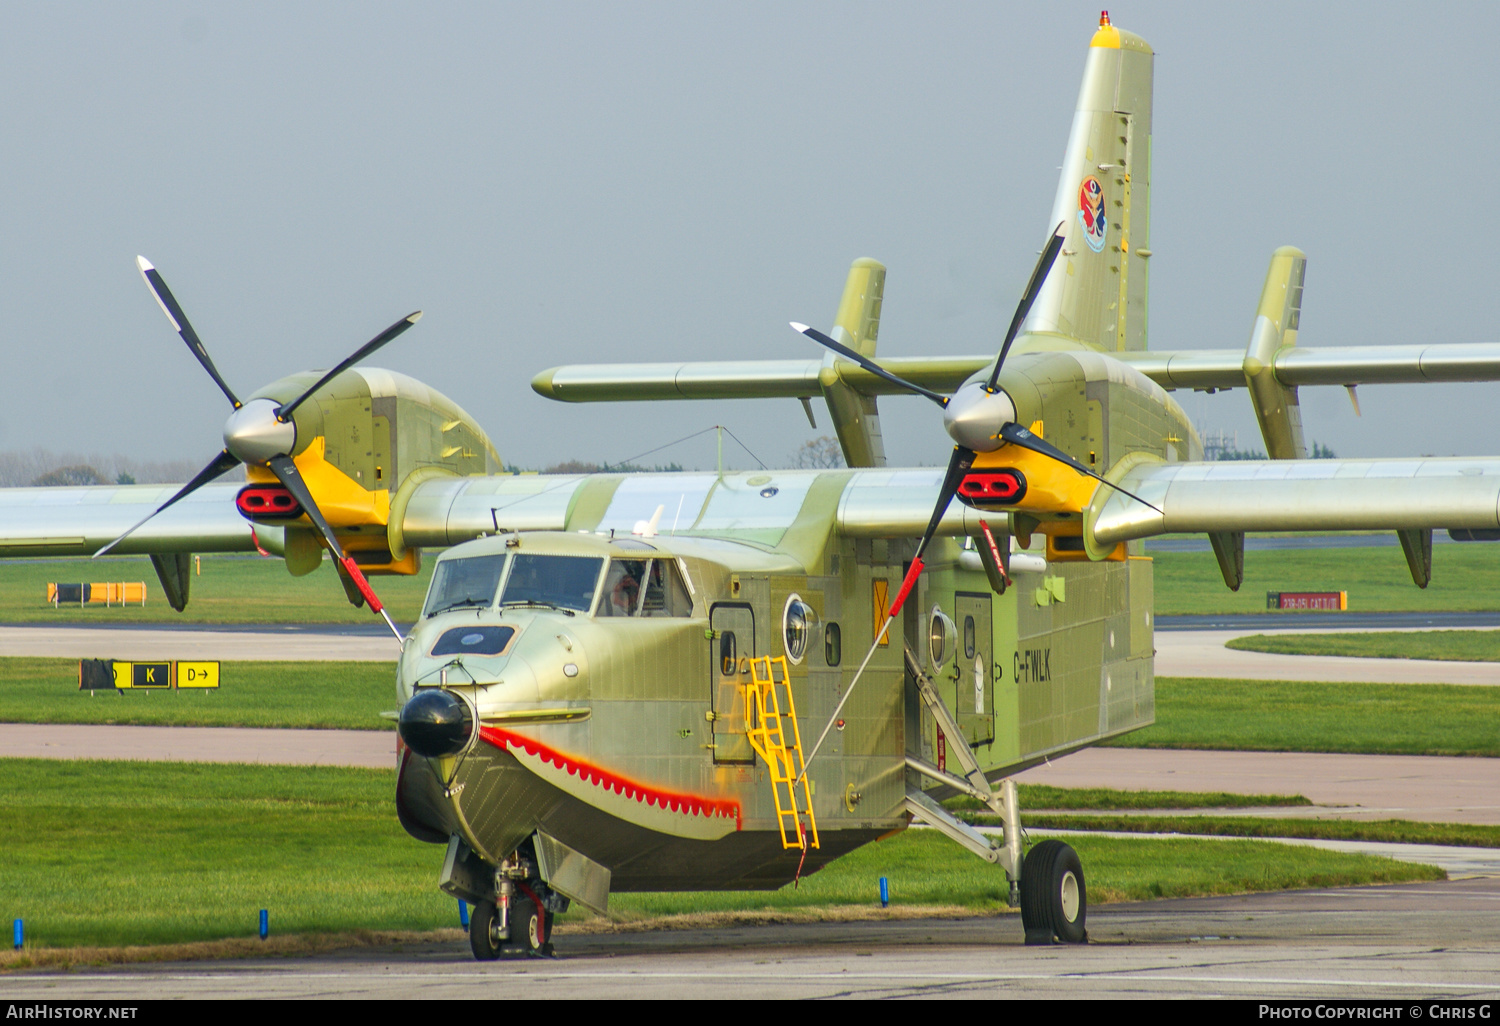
(484, 932)
(1054, 901)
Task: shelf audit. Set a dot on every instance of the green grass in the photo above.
(241, 589)
(348, 695)
(1466, 646)
(1044, 796)
(231, 589)
(1396, 831)
(116, 853)
(1292, 716)
(925, 868)
(1464, 577)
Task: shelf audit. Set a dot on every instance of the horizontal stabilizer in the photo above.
(1188, 368)
(746, 379)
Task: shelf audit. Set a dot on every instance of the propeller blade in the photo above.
(958, 466)
(218, 466)
(291, 479)
(1038, 276)
(868, 364)
(359, 354)
(168, 304)
(1015, 434)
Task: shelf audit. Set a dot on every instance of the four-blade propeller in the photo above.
(262, 433)
(980, 418)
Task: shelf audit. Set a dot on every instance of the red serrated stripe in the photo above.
(675, 801)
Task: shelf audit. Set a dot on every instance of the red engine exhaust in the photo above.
(267, 502)
(993, 487)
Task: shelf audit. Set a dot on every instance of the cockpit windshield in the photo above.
(459, 583)
(567, 582)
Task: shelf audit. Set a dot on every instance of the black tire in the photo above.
(1054, 900)
(484, 938)
(528, 926)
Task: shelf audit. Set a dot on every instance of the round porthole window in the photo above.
(798, 621)
(942, 638)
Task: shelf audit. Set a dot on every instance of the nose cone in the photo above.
(974, 417)
(436, 723)
(253, 433)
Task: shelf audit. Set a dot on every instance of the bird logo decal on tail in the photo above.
(1091, 212)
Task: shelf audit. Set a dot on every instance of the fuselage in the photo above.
(624, 736)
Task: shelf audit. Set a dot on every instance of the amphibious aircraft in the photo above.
(726, 680)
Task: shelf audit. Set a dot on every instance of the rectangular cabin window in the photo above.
(458, 583)
(644, 587)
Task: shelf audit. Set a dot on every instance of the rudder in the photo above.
(1097, 293)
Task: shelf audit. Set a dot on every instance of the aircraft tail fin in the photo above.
(857, 325)
(1276, 322)
(1097, 292)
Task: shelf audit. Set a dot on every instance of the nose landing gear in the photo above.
(527, 930)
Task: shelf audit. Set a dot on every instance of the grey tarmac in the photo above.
(1438, 789)
(1411, 943)
(1185, 647)
(1433, 788)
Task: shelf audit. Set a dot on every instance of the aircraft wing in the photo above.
(747, 379)
(1335, 365)
(80, 521)
(1189, 368)
(1458, 493)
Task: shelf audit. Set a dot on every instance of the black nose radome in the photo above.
(436, 723)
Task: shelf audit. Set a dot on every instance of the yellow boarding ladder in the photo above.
(766, 725)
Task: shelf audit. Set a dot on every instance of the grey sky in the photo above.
(570, 182)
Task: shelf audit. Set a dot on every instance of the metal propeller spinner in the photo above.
(261, 433)
(980, 417)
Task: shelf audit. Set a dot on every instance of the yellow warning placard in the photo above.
(197, 675)
(880, 601)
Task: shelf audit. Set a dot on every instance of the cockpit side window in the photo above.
(666, 595)
(622, 587)
(644, 587)
(464, 582)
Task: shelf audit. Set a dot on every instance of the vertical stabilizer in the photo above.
(857, 325)
(1276, 321)
(1097, 291)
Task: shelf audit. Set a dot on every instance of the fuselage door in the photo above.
(975, 687)
(733, 625)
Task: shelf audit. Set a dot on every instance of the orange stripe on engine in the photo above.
(675, 801)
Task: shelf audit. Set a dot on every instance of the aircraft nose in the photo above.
(436, 723)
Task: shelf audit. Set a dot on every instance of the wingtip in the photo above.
(414, 318)
(800, 328)
(144, 265)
